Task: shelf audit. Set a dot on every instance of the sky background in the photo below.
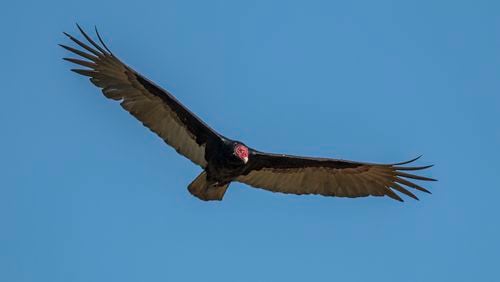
(88, 194)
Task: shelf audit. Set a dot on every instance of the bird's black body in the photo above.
(224, 160)
(223, 166)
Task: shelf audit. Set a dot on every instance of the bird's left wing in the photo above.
(156, 108)
(329, 177)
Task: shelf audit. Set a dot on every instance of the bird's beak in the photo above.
(245, 160)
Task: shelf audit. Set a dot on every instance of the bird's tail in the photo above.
(207, 190)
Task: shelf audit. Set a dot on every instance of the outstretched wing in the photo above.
(329, 177)
(156, 108)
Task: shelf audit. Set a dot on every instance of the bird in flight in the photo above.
(224, 160)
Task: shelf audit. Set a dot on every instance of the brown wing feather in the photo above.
(328, 177)
(154, 107)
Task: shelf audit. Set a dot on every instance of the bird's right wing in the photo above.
(156, 108)
(329, 177)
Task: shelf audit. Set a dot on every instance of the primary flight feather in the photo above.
(224, 160)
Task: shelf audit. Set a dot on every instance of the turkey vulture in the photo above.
(224, 160)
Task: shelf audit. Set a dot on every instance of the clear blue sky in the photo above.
(88, 194)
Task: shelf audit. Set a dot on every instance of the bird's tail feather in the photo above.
(206, 190)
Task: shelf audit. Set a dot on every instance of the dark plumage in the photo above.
(225, 160)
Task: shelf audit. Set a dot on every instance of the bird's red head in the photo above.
(241, 152)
